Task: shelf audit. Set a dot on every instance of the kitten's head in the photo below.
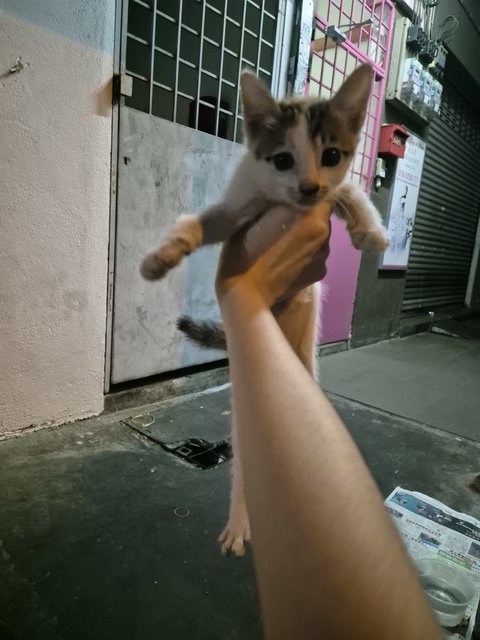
(303, 147)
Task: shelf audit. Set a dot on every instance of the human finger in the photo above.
(272, 261)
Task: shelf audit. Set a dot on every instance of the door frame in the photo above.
(119, 47)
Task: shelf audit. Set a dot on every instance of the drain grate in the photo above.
(198, 452)
(201, 453)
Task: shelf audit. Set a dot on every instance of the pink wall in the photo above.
(366, 45)
(339, 286)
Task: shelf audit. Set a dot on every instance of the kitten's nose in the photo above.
(309, 188)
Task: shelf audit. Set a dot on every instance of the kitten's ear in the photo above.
(257, 101)
(352, 97)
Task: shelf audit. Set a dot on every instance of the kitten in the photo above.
(298, 153)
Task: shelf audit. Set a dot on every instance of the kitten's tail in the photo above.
(205, 333)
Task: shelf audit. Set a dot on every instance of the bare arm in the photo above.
(328, 560)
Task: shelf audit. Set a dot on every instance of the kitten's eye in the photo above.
(331, 157)
(283, 161)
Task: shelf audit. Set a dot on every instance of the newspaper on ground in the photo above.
(431, 529)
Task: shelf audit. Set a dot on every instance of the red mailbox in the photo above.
(393, 138)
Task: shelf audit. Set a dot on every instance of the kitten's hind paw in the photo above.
(370, 239)
(233, 538)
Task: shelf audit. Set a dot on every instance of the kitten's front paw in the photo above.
(375, 239)
(153, 266)
(170, 253)
(185, 236)
(233, 538)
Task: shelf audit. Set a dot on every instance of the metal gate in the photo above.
(367, 25)
(448, 209)
(177, 147)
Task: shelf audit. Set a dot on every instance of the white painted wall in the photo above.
(55, 145)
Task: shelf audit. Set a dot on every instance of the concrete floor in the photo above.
(431, 378)
(91, 546)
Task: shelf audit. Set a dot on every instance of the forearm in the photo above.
(329, 562)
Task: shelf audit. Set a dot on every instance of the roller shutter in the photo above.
(448, 209)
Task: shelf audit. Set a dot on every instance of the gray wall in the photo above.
(380, 293)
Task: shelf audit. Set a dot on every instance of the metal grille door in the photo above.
(367, 25)
(448, 209)
(177, 143)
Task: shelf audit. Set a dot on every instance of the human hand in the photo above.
(283, 252)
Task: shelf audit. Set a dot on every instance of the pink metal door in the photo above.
(367, 25)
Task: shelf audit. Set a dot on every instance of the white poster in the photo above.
(403, 204)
